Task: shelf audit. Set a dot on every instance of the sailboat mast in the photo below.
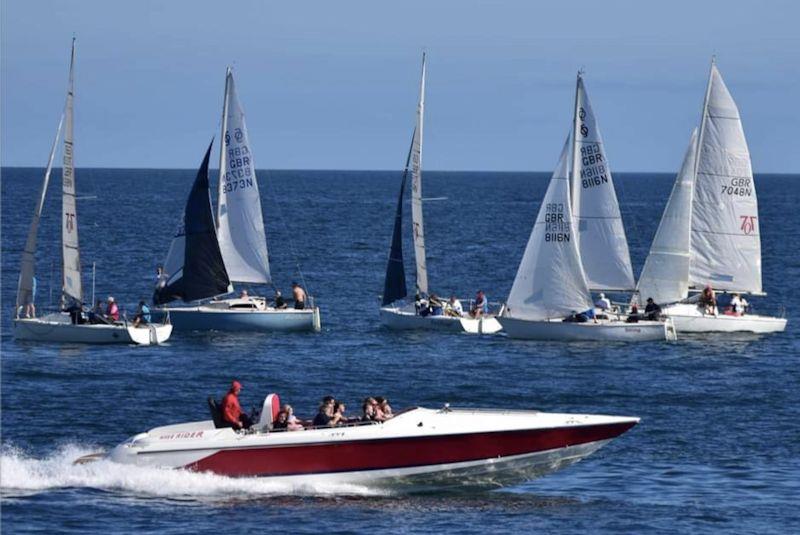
(416, 191)
(573, 174)
(71, 283)
(223, 144)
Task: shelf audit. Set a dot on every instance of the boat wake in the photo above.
(24, 475)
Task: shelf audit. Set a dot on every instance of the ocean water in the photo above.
(718, 448)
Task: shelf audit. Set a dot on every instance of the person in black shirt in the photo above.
(652, 311)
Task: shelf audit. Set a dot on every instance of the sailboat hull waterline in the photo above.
(58, 328)
(558, 330)
(417, 450)
(689, 318)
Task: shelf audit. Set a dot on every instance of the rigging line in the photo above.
(292, 248)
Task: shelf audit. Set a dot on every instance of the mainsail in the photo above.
(601, 235)
(240, 225)
(725, 243)
(665, 276)
(416, 190)
(71, 285)
(550, 281)
(194, 266)
(394, 286)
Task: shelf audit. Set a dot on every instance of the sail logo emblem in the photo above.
(748, 224)
(70, 222)
(238, 135)
(582, 114)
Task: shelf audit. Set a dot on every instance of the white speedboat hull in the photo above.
(403, 319)
(689, 318)
(208, 318)
(419, 449)
(58, 328)
(603, 331)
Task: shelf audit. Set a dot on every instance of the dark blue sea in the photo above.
(718, 448)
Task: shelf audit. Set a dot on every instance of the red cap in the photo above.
(236, 385)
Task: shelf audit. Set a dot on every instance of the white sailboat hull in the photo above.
(603, 331)
(208, 318)
(688, 318)
(58, 328)
(402, 319)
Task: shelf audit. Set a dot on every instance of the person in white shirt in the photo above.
(603, 302)
(738, 305)
(454, 307)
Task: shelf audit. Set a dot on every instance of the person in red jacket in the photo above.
(231, 411)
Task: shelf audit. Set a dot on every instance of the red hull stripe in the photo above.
(383, 454)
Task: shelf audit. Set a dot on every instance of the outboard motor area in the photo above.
(269, 411)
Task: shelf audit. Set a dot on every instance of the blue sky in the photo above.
(332, 85)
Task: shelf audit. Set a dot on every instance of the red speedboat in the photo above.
(418, 449)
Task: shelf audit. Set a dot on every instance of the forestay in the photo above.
(550, 281)
(725, 242)
(71, 284)
(194, 267)
(665, 276)
(240, 225)
(416, 190)
(601, 235)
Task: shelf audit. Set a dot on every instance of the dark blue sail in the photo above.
(394, 287)
(202, 274)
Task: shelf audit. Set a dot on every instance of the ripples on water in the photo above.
(718, 447)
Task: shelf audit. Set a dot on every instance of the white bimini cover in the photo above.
(550, 282)
(240, 224)
(601, 235)
(665, 276)
(725, 243)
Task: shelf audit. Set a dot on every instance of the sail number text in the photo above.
(593, 169)
(738, 187)
(239, 174)
(556, 228)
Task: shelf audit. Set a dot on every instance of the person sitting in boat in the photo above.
(339, 408)
(232, 414)
(281, 422)
(75, 310)
(279, 303)
(481, 306)
(633, 316)
(299, 296)
(95, 315)
(142, 316)
(652, 312)
(603, 302)
(112, 310)
(708, 301)
(383, 411)
(326, 417)
(421, 305)
(454, 307)
(738, 305)
(29, 309)
(292, 423)
(368, 410)
(436, 305)
(577, 317)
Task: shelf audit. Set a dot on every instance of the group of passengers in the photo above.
(279, 303)
(105, 313)
(331, 413)
(435, 306)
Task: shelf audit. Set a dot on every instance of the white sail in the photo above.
(240, 224)
(416, 191)
(665, 276)
(28, 262)
(601, 235)
(726, 243)
(71, 288)
(550, 281)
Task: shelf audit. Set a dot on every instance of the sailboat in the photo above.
(709, 232)
(59, 326)
(205, 258)
(577, 244)
(396, 313)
